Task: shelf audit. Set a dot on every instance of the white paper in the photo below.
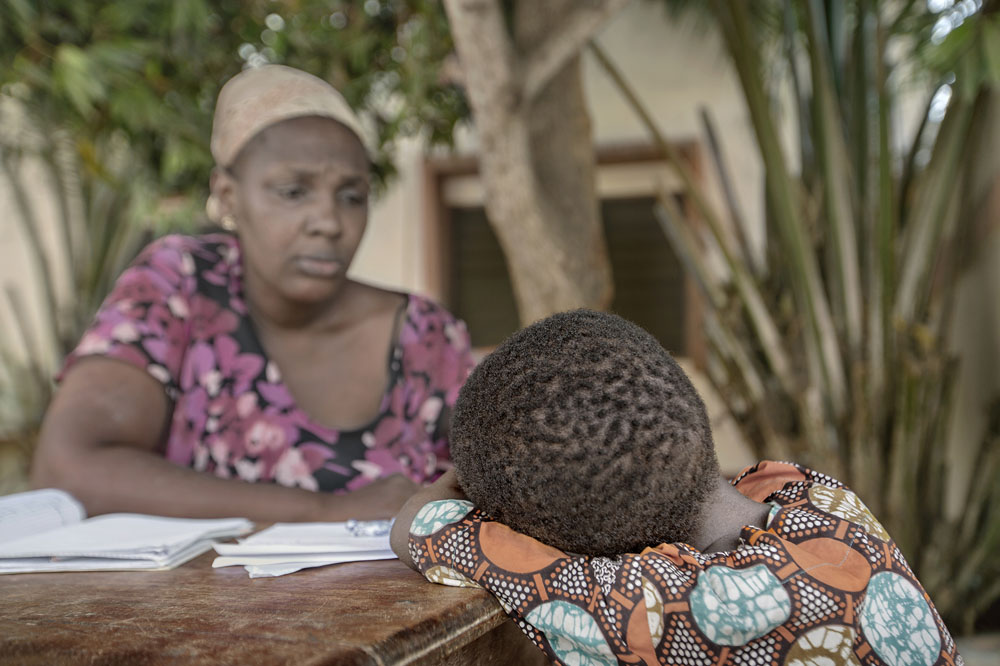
(285, 568)
(159, 563)
(305, 534)
(326, 558)
(119, 541)
(35, 511)
(123, 535)
(254, 548)
(288, 547)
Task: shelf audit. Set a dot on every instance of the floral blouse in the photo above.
(178, 312)
(821, 583)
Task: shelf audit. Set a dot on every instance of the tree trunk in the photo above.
(536, 154)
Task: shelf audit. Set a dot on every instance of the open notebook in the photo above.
(47, 530)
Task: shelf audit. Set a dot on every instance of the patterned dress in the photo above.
(822, 584)
(179, 313)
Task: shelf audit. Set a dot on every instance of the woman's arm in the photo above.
(446, 487)
(100, 438)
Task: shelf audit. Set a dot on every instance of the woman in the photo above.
(251, 356)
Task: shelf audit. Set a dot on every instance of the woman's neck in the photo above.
(272, 312)
(724, 514)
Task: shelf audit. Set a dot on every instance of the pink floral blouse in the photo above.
(178, 313)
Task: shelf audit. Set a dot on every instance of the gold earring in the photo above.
(228, 222)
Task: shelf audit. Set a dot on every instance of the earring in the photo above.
(228, 222)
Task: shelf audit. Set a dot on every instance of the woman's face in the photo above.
(299, 194)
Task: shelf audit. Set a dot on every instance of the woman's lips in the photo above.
(318, 266)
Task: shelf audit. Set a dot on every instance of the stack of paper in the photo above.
(288, 547)
(63, 541)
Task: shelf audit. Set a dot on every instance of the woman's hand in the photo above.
(446, 487)
(382, 498)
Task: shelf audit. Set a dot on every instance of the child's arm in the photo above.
(446, 487)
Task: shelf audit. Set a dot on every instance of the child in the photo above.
(600, 521)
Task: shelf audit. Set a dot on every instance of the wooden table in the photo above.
(358, 613)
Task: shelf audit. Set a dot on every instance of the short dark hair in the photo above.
(582, 431)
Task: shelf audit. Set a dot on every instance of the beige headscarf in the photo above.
(260, 97)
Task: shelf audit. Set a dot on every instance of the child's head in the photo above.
(583, 432)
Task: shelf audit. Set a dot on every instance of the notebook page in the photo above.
(124, 535)
(48, 564)
(36, 511)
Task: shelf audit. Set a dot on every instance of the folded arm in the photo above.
(446, 487)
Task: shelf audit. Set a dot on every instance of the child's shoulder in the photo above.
(761, 480)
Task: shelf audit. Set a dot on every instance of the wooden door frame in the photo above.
(439, 171)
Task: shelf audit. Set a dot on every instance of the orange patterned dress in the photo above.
(822, 583)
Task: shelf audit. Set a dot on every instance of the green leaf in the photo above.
(137, 108)
(179, 157)
(945, 56)
(969, 73)
(990, 41)
(20, 14)
(123, 17)
(119, 55)
(188, 16)
(74, 75)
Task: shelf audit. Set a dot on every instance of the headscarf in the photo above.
(257, 98)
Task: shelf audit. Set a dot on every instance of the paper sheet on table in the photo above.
(304, 538)
(287, 547)
(325, 557)
(281, 569)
